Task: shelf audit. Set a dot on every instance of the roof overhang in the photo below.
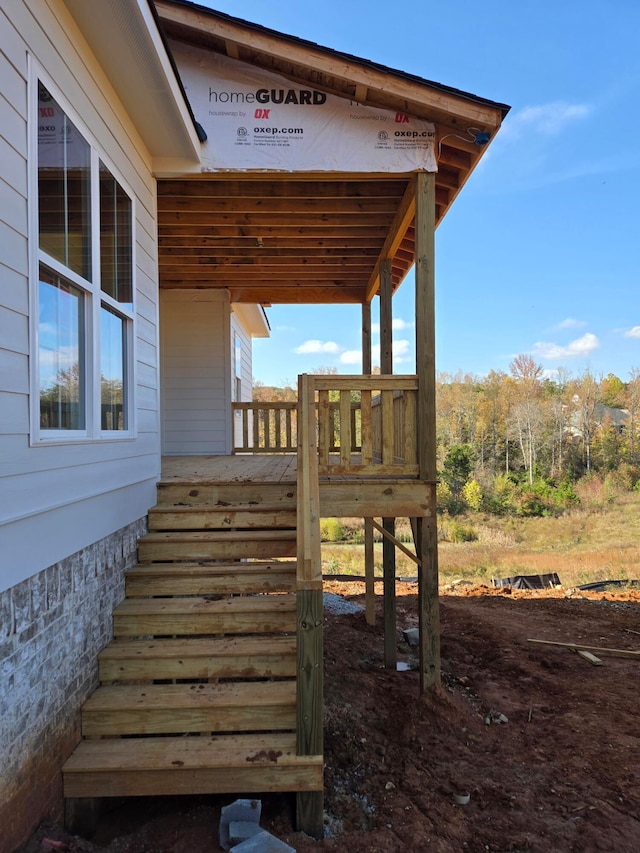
(125, 38)
(315, 237)
(253, 319)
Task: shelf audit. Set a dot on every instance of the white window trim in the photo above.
(94, 296)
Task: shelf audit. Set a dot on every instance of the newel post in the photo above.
(309, 680)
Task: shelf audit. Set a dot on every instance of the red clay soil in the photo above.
(562, 774)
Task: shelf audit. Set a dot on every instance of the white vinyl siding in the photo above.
(246, 384)
(57, 499)
(196, 372)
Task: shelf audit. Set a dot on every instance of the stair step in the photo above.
(212, 494)
(249, 516)
(215, 578)
(254, 614)
(246, 657)
(153, 766)
(177, 708)
(217, 544)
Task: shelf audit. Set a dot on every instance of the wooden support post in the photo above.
(81, 815)
(388, 550)
(309, 681)
(369, 560)
(369, 573)
(389, 586)
(427, 543)
(310, 804)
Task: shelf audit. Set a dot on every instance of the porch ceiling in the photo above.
(294, 238)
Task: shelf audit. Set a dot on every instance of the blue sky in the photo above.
(540, 253)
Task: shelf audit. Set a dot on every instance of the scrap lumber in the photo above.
(588, 656)
(626, 653)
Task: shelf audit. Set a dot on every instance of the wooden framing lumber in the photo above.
(625, 653)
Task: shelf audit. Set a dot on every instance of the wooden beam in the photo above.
(287, 187)
(168, 205)
(401, 221)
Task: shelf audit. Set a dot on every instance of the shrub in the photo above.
(331, 530)
(472, 495)
(456, 531)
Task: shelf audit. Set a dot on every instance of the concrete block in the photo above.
(241, 830)
(412, 636)
(240, 811)
(263, 842)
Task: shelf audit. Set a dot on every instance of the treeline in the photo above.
(521, 442)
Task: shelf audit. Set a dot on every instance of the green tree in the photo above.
(457, 468)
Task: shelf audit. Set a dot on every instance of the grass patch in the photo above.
(582, 546)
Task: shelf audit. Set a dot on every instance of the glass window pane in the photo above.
(112, 371)
(64, 187)
(61, 353)
(116, 273)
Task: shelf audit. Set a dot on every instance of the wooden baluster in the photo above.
(345, 428)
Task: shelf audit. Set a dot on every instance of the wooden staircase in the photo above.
(198, 689)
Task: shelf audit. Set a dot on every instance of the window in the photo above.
(237, 359)
(85, 289)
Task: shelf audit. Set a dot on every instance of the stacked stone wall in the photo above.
(52, 628)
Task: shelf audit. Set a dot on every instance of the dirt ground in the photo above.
(561, 774)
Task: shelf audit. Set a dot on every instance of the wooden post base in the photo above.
(81, 815)
(310, 813)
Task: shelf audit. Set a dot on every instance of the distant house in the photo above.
(601, 414)
(139, 244)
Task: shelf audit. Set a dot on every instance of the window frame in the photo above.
(94, 297)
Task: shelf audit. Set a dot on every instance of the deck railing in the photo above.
(260, 427)
(371, 429)
(365, 425)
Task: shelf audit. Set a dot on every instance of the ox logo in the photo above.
(401, 118)
(262, 113)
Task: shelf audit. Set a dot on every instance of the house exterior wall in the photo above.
(112, 481)
(195, 343)
(71, 509)
(246, 359)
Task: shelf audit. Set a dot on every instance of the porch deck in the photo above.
(195, 479)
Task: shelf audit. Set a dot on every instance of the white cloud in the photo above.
(546, 119)
(633, 333)
(351, 356)
(570, 323)
(397, 325)
(400, 350)
(309, 347)
(580, 347)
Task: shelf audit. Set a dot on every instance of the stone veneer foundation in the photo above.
(52, 627)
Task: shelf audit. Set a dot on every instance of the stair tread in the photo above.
(223, 507)
(147, 697)
(179, 753)
(212, 569)
(188, 647)
(198, 605)
(218, 535)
